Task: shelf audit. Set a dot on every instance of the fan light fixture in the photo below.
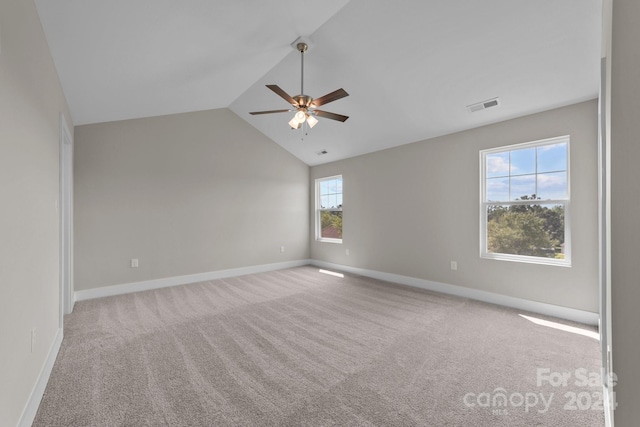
(304, 105)
(300, 117)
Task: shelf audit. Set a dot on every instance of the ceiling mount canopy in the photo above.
(304, 105)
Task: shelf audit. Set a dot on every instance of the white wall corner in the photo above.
(147, 285)
(31, 408)
(580, 316)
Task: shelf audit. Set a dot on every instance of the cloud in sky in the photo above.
(552, 180)
(561, 146)
(498, 164)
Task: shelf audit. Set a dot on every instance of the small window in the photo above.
(524, 203)
(329, 209)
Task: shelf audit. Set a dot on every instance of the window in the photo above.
(329, 209)
(524, 203)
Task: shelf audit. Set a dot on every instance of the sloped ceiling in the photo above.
(411, 66)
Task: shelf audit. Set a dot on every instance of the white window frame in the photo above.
(566, 262)
(319, 209)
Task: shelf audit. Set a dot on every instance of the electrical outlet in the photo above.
(134, 262)
(282, 249)
(454, 265)
(346, 251)
(33, 339)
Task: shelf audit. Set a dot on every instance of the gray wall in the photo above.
(31, 101)
(186, 193)
(410, 210)
(625, 209)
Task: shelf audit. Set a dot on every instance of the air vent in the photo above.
(483, 105)
(322, 152)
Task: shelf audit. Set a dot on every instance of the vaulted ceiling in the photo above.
(411, 67)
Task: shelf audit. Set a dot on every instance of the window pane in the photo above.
(324, 202)
(339, 185)
(324, 187)
(552, 158)
(497, 165)
(532, 230)
(552, 185)
(523, 187)
(333, 201)
(331, 225)
(332, 186)
(523, 161)
(498, 190)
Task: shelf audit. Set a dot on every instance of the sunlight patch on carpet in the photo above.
(560, 326)
(331, 273)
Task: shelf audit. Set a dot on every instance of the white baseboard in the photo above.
(607, 398)
(581, 316)
(31, 408)
(572, 314)
(182, 280)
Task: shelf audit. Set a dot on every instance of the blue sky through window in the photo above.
(538, 170)
(331, 193)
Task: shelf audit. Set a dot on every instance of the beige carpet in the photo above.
(299, 348)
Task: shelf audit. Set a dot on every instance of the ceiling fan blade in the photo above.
(332, 116)
(269, 112)
(330, 97)
(283, 94)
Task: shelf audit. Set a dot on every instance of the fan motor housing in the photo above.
(303, 100)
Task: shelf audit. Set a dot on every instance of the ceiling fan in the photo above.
(304, 105)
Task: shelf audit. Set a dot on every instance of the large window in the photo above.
(329, 209)
(524, 204)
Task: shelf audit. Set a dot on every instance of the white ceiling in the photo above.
(410, 66)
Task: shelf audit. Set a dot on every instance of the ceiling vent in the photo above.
(483, 105)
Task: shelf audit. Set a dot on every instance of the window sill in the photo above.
(527, 259)
(326, 240)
